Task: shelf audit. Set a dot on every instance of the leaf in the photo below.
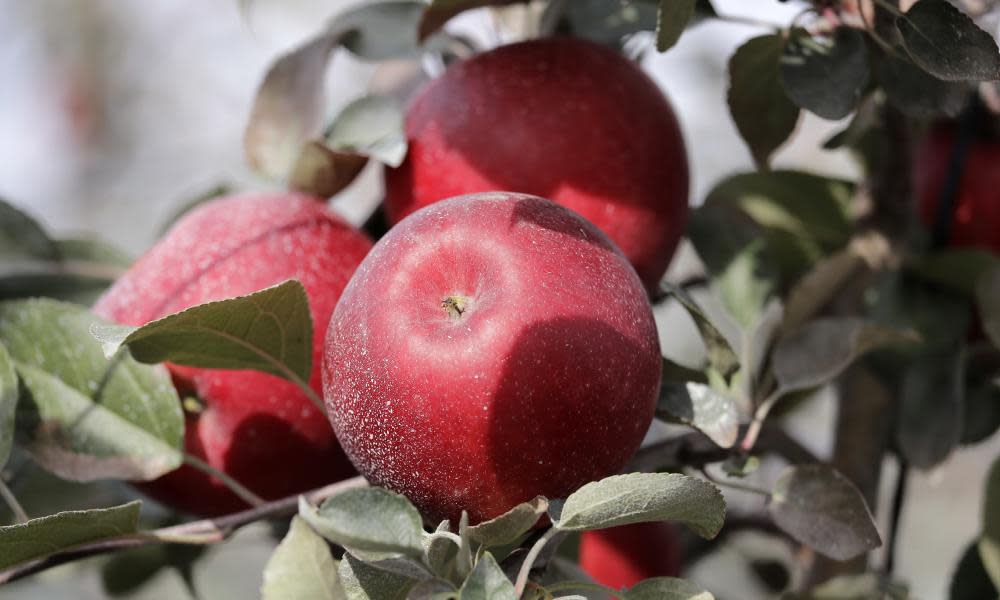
(372, 523)
(820, 350)
(487, 582)
(601, 21)
(826, 75)
(989, 539)
(666, 588)
(866, 586)
(748, 283)
(362, 582)
(125, 572)
(386, 29)
(970, 580)
(916, 92)
(988, 302)
(42, 537)
(8, 404)
(371, 126)
(695, 404)
(930, 413)
(762, 111)
(433, 589)
(323, 172)
(946, 43)
(511, 525)
(740, 465)
(441, 11)
(81, 416)
(959, 269)
(720, 354)
(301, 567)
(288, 107)
(644, 497)
(440, 551)
(268, 331)
(672, 18)
(221, 189)
(821, 508)
(22, 236)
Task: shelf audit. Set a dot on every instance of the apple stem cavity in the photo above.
(455, 306)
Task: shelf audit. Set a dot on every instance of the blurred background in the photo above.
(113, 115)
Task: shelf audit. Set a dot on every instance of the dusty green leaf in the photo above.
(988, 301)
(989, 539)
(644, 497)
(372, 523)
(511, 525)
(606, 22)
(946, 43)
(362, 582)
(709, 411)
(918, 93)
(433, 589)
(959, 269)
(21, 236)
(44, 536)
(370, 126)
(821, 508)
(866, 586)
(385, 29)
(764, 115)
(819, 351)
(323, 172)
(720, 354)
(826, 75)
(80, 415)
(487, 581)
(671, 20)
(301, 568)
(269, 331)
(931, 405)
(440, 12)
(666, 588)
(441, 550)
(8, 404)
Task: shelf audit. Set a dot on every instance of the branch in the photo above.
(205, 531)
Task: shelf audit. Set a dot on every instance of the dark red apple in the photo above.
(621, 557)
(975, 213)
(560, 118)
(258, 428)
(489, 349)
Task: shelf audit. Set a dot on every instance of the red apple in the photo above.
(258, 428)
(560, 118)
(489, 349)
(621, 557)
(975, 215)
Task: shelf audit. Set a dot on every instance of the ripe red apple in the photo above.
(489, 349)
(258, 428)
(560, 118)
(621, 557)
(975, 215)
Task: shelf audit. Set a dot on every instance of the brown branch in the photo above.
(205, 531)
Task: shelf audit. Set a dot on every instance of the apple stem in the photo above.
(455, 305)
(234, 486)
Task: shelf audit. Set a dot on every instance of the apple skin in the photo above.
(545, 381)
(976, 208)
(621, 557)
(260, 429)
(560, 118)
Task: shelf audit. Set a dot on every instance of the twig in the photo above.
(205, 531)
(8, 496)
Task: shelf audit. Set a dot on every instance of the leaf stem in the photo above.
(234, 486)
(759, 416)
(736, 486)
(529, 560)
(19, 515)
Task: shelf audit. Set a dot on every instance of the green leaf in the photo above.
(362, 582)
(8, 404)
(80, 415)
(709, 411)
(301, 568)
(386, 29)
(970, 580)
(959, 269)
(125, 572)
(821, 508)
(269, 331)
(21, 236)
(42, 537)
(988, 301)
(762, 111)
(372, 523)
(866, 586)
(989, 539)
(666, 588)
(92, 251)
(918, 93)
(440, 12)
(433, 589)
(826, 75)
(323, 172)
(946, 43)
(740, 465)
(644, 497)
(606, 22)
(720, 354)
(672, 18)
(441, 550)
(370, 126)
(511, 525)
(930, 413)
(820, 350)
(487, 582)
(748, 283)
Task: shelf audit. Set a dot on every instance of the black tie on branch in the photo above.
(968, 127)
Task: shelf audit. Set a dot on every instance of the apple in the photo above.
(621, 557)
(975, 214)
(560, 118)
(258, 428)
(491, 348)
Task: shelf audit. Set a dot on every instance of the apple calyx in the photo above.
(455, 305)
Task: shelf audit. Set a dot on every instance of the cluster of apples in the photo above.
(490, 347)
